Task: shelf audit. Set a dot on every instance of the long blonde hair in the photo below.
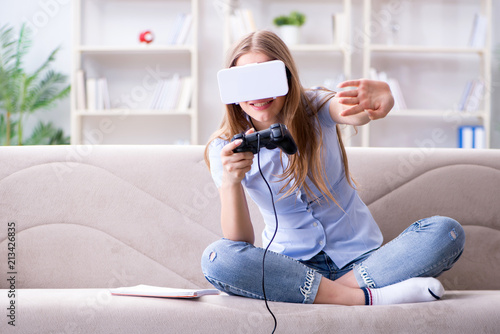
(298, 114)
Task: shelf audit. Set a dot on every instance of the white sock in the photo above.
(414, 290)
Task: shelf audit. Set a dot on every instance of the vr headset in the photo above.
(253, 82)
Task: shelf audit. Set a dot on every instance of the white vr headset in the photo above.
(253, 82)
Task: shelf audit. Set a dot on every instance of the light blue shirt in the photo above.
(307, 226)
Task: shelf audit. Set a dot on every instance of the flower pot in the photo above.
(290, 34)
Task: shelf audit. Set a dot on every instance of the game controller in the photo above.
(276, 136)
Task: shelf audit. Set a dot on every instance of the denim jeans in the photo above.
(425, 249)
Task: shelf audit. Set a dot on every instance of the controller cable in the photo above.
(274, 235)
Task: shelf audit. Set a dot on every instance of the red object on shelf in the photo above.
(146, 37)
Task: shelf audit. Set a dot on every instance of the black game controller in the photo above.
(276, 136)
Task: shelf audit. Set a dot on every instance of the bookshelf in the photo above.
(429, 72)
(313, 47)
(434, 69)
(323, 59)
(132, 105)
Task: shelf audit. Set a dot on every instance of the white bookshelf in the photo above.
(449, 45)
(312, 45)
(106, 44)
(140, 49)
(322, 58)
(431, 62)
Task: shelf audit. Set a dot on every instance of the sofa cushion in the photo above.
(97, 311)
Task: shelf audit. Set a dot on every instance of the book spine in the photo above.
(471, 137)
(185, 29)
(176, 29)
(81, 95)
(185, 95)
(91, 94)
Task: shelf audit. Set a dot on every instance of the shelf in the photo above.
(110, 50)
(132, 112)
(315, 48)
(139, 49)
(423, 49)
(446, 70)
(436, 113)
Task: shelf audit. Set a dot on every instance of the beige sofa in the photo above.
(88, 218)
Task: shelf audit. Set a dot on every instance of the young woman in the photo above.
(327, 245)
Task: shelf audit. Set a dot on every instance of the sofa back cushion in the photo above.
(109, 216)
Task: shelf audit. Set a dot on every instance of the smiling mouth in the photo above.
(261, 104)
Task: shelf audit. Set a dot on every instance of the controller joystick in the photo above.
(276, 136)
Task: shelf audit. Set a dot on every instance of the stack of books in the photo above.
(91, 93)
(173, 94)
(471, 137)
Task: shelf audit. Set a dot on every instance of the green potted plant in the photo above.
(289, 27)
(22, 93)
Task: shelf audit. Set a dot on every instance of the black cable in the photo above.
(270, 241)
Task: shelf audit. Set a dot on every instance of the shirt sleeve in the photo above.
(317, 97)
(215, 162)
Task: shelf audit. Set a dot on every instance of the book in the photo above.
(92, 93)
(479, 137)
(81, 95)
(91, 89)
(472, 96)
(184, 30)
(465, 95)
(155, 101)
(172, 94)
(176, 29)
(477, 37)
(106, 101)
(161, 292)
(99, 94)
(471, 136)
(339, 29)
(466, 137)
(186, 94)
(167, 83)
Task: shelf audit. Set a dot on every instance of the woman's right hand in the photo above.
(235, 165)
(235, 216)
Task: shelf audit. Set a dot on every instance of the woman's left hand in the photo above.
(370, 96)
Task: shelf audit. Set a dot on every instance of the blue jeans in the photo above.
(425, 249)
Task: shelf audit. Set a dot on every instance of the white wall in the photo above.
(52, 20)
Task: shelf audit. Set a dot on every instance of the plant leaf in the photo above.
(22, 93)
(23, 45)
(44, 66)
(43, 94)
(46, 134)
